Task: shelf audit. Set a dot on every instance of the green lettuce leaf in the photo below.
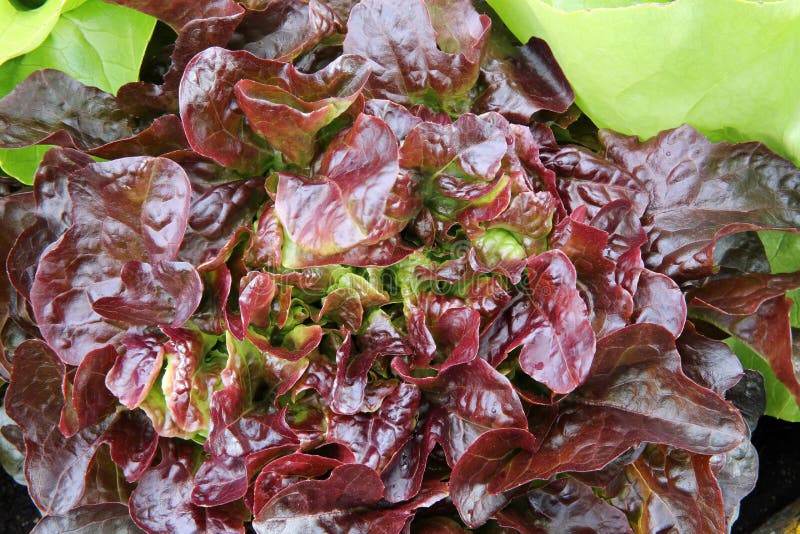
(783, 253)
(23, 29)
(780, 402)
(98, 44)
(726, 67)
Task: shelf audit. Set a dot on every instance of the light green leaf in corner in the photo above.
(783, 253)
(98, 44)
(726, 67)
(780, 402)
(22, 29)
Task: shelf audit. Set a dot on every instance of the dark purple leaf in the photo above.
(199, 26)
(474, 398)
(56, 467)
(42, 109)
(743, 295)
(737, 477)
(708, 362)
(609, 298)
(486, 459)
(585, 179)
(133, 443)
(635, 392)
(419, 52)
(701, 192)
(181, 12)
(749, 396)
(659, 300)
(161, 502)
(215, 216)
(375, 437)
(639, 362)
(343, 502)
(768, 332)
(564, 505)
(87, 400)
(670, 489)
(522, 80)
(284, 472)
(403, 475)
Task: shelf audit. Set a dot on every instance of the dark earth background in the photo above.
(778, 482)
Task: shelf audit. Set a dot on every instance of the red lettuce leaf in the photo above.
(742, 295)
(403, 475)
(106, 518)
(181, 12)
(375, 437)
(346, 501)
(659, 300)
(491, 455)
(136, 368)
(133, 442)
(214, 124)
(708, 362)
(199, 26)
(701, 192)
(166, 293)
(736, 477)
(560, 344)
(161, 502)
(284, 30)
(564, 505)
(473, 145)
(42, 110)
(286, 471)
(359, 196)
(224, 94)
(522, 80)
(188, 381)
(606, 290)
(671, 489)
(635, 392)
(131, 209)
(87, 400)
(585, 179)
(474, 398)
(56, 467)
(406, 44)
(216, 214)
(289, 114)
(768, 332)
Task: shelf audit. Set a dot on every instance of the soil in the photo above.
(779, 483)
(18, 515)
(778, 473)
